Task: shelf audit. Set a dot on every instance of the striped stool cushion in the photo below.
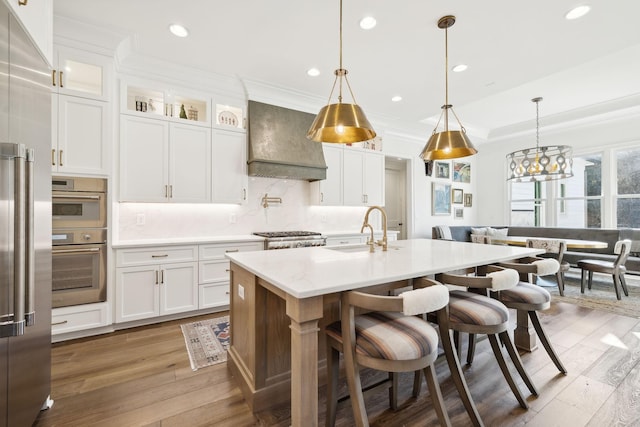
(390, 336)
(525, 293)
(473, 309)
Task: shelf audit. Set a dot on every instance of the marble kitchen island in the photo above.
(281, 300)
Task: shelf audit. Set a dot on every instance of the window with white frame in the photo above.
(628, 188)
(578, 200)
(528, 201)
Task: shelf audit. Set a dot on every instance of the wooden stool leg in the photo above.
(623, 282)
(545, 342)
(456, 372)
(590, 279)
(517, 362)
(333, 364)
(417, 383)
(560, 279)
(393, 390)
(436, 396)
(505, 371)
(471, 350)
(615, 285)
(583, 274)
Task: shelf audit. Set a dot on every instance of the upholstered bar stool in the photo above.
(528, 298)
(472, 313)
(616, 268)
(388, 337)
(557, 247)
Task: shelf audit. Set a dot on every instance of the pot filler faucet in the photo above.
(371, 241)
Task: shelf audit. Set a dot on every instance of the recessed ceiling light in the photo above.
(178, 30)
(396, 98)
(368, 22)
(313, 72)
(577, 12)
(458, 68)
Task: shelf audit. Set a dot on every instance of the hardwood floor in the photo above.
(142, 377)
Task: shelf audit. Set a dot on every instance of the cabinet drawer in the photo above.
(71, 319)
(213, 295)
(217, 251)
(213, 271)
(156, 255)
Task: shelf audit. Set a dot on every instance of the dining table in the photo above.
(571, 243)
(280, 301)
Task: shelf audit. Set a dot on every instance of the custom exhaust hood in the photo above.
(278, 145)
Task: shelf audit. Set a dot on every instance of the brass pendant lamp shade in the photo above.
(448, 144)
(340, 122)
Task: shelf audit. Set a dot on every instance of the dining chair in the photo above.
(558, 248)
(527, 298)
(387, 336)
(476, 313)
(615, 268)
(480, 238)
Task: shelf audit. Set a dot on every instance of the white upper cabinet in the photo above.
(229, 166)
(148, 99)
(80, 73)
(164, 162)
(328, 192)
(229, 113)
(355, 177)
(36, 16)
(80, 135)
(363, 172)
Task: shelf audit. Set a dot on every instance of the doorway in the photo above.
(396, 195)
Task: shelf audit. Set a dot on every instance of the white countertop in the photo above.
(313, 271)
(187, 241)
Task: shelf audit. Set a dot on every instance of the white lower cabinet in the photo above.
(79, 317)
(155, 281)
(214, 271)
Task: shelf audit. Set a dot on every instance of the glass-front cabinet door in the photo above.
(80, 73)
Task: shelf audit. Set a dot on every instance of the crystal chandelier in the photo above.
(540, 163)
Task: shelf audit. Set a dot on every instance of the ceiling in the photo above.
(515, 51)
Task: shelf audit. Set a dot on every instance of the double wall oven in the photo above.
(79, 240)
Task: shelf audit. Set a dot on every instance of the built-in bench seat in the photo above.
(610, 236)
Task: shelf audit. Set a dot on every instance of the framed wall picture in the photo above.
(458, 213)
(462, 172)
(440, 198)
(467, 200)
(443, 169)
(457, 196)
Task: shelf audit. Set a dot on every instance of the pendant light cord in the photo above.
(446, 79)
(340, 67)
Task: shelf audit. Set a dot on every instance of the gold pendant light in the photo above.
(341, 123)
(449, 144)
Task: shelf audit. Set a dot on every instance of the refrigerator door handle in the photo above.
(30, 253)
(12, 324)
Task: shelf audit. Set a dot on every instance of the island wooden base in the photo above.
(277, 352)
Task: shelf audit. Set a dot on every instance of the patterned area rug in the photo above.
(207, 341)
(602, 295)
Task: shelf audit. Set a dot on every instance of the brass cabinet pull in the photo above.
(321, 197)
(53, 77)
(22, 2)
(53, 157)
(160, 256)
(232, 250)
(162, 277)
(244, 194)
(170, 191)
(64, 322)
(60, 79)
(156, 277)
(60, 158)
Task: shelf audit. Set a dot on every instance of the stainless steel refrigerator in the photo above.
(25, 226)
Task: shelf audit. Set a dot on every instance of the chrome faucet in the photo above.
(366, 224)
